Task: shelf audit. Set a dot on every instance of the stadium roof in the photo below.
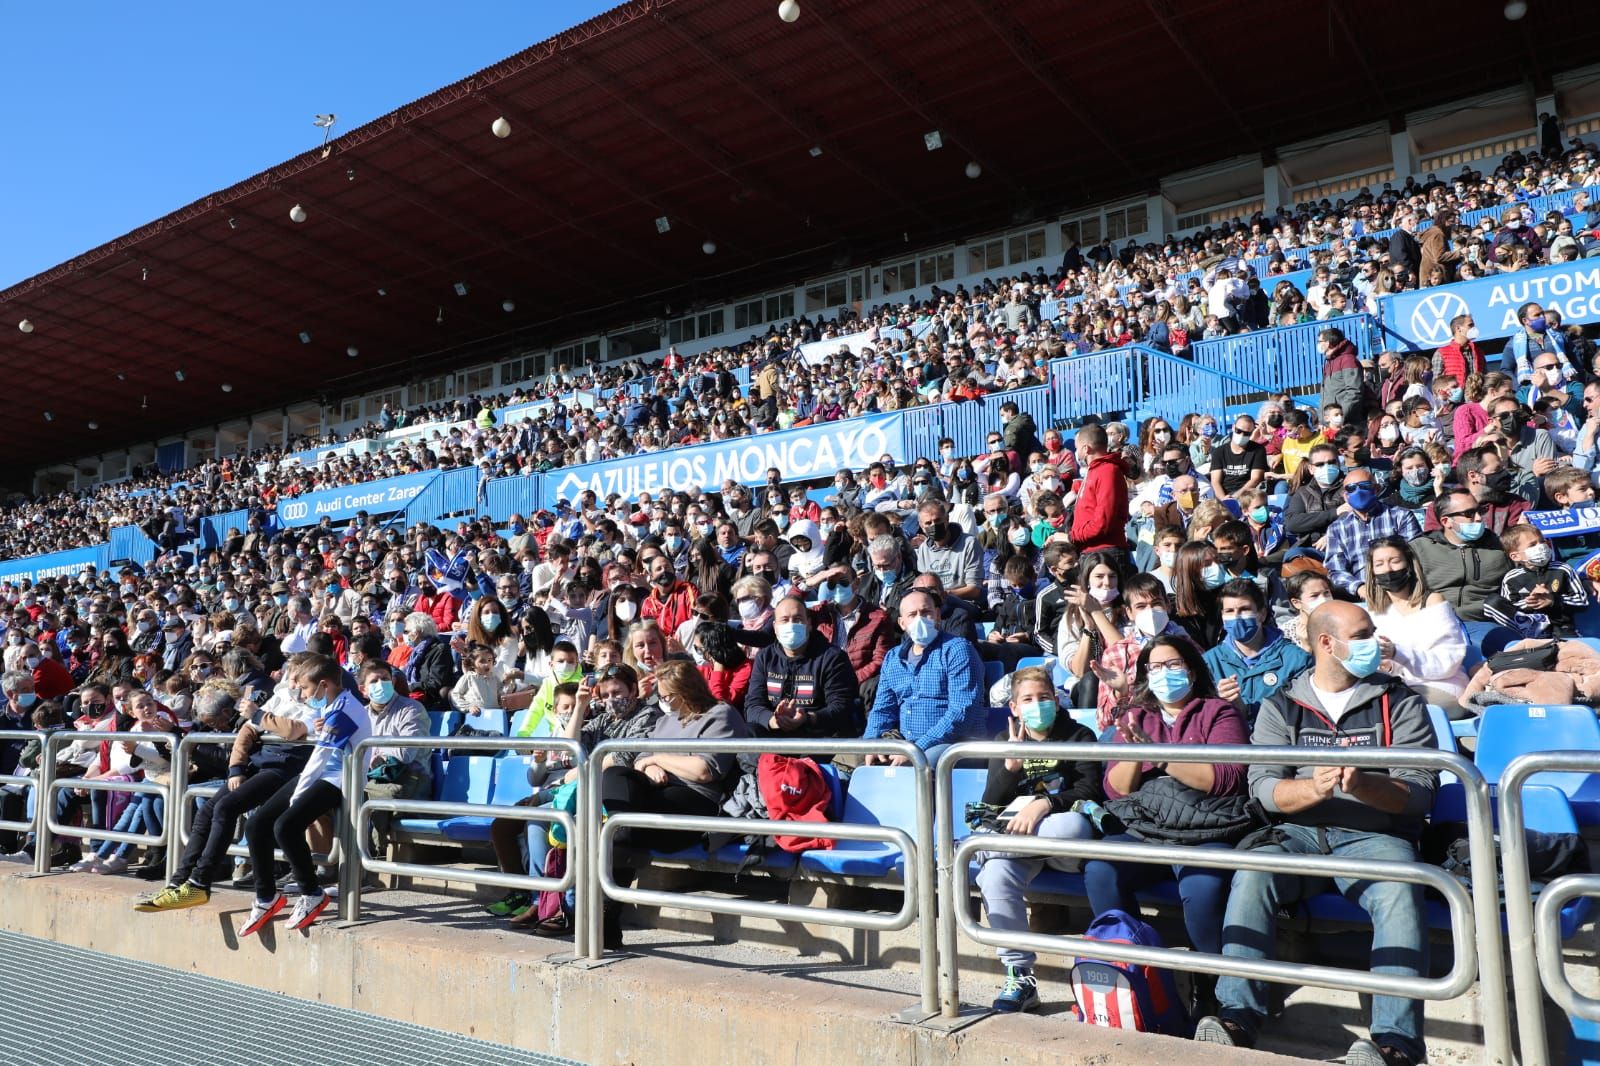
(709, 113)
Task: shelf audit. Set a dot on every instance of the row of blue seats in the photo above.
(886, 796)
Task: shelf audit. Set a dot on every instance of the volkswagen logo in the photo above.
(1430, 319)
(296, 510)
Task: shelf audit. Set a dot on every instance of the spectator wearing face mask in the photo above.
(801, 685)
(1343, 382)
(1254, 659)
(1362, 518)
(670, 600)
(1463, 561)
(1534, 338)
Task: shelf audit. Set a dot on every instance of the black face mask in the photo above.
(1498, 483)
(938, 530)
(1510, 423)
(1395, 580)
(1174, 468)
(1274, 421)
(1228, 561)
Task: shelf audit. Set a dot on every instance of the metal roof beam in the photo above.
(906, 88)
(1169, 23)
(810, 131)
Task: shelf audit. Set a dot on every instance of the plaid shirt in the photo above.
(1349, 536)
(936, 698)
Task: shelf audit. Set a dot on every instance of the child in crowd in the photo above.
(1539, 585)
(1570, 488)
(478, 690)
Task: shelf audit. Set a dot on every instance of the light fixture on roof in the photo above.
(94, 425)
(233, 223)
(352, 351)
(25, 326)
(144, 273)
(226, 387)
(325, 124)
(789, 10)
(933, 140)
(816, 151)
(461, 288)
(508, 306)
(663, 224)
(144, 402)
(710, 247)
(500, 128)
(178, 374)
(383, 292)
(1515, 9)
(349, 173)
(974, 169)
(297, 213)
(48, 417)
(439, 319)
(305, 338)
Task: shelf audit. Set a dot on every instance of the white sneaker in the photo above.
(89, 864)
(306, 910)
(260, 915)
(116, 864)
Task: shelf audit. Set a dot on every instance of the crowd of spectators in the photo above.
(1313, 575)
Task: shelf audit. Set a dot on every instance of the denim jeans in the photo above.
(143, 814)
(1399, 938)
(1203, 890)
(1004, 878)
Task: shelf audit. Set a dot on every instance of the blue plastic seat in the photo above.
(467, 779)
(1509, 730)
(1546, 809)
(510, 785)
(1031, 661)
(878, 795)
(1088, 717)
(992, 672)
(777, 859)
(438, 723)
(966, 786)
(997, 719)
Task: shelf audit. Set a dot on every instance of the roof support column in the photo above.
(1544, 104)
(1160, 216)
(1275, 190)
(1404, 149)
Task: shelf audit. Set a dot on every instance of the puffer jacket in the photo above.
(1167, 811)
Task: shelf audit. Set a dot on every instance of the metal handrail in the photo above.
(1484, 896)
(1547, 939)
(28, 781)
(179, 817)
(920, 903)
(1528, 975)
(1460, 978)
(362, 809)
(50, 784)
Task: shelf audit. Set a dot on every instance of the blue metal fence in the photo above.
(1282, 358)
(514, 495)
(214, 528)
(129, 543)
(1094, 384)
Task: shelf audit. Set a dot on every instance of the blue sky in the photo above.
(115, 114)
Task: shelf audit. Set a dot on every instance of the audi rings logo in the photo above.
(1430, 319)
(296, 510)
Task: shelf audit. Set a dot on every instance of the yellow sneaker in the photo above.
(174, 899)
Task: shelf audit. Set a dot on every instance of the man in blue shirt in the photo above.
(1363, 518)
(931, 687)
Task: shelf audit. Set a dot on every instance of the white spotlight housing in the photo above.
(789, 10)
(226, 387)
(974, 170)
(94, 425)
(508, 306)
(297, 213)
(25, 326)
(352, 351)
(500, 128)
(710, 247)
(1515, 9)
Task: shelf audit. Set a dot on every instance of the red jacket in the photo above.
(1101, 514)
(1451, 359)
(672, 610)
(51, 680)
(441, 607)
(729, 686)
(867, 644)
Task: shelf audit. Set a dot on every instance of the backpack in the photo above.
(794, 790)
(550, 904)
(1122, 995)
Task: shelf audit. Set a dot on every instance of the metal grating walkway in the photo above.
(64, 1006)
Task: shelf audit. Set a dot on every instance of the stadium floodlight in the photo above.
(226, 387)
(48, 417)
(500, 128)
(663, 224)
(25, 326)
(305, 338)
(297, 213)
(974, 169)
(461, 288)
(178, 374)
(710, 247)
(933, 140)
(352, 351)
(94, 425)
(1515, 9)
(508, 306)
(789, 10)
(816, 151)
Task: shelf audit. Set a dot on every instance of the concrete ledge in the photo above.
(465, 976)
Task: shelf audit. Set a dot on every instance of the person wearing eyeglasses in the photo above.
(1364, 516)
(1464, 561)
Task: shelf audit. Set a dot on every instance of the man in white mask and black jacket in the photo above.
(1342, 701)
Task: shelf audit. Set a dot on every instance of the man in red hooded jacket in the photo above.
(1100, 517)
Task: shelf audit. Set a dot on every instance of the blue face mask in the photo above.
(1214, 576)
(1362, 497)
(1038, 717)
(886, 577)
(24, 699)
(840, 594)
(1169, 686)
(1242, 628)
(792, 635)
(317, 703)
(1362, 656)
(280, 600)
(1328, 475)
(922, 631)
(1469, 531)
(380, 692)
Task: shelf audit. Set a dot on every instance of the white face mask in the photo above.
(1314, 602)
(1150, 620)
